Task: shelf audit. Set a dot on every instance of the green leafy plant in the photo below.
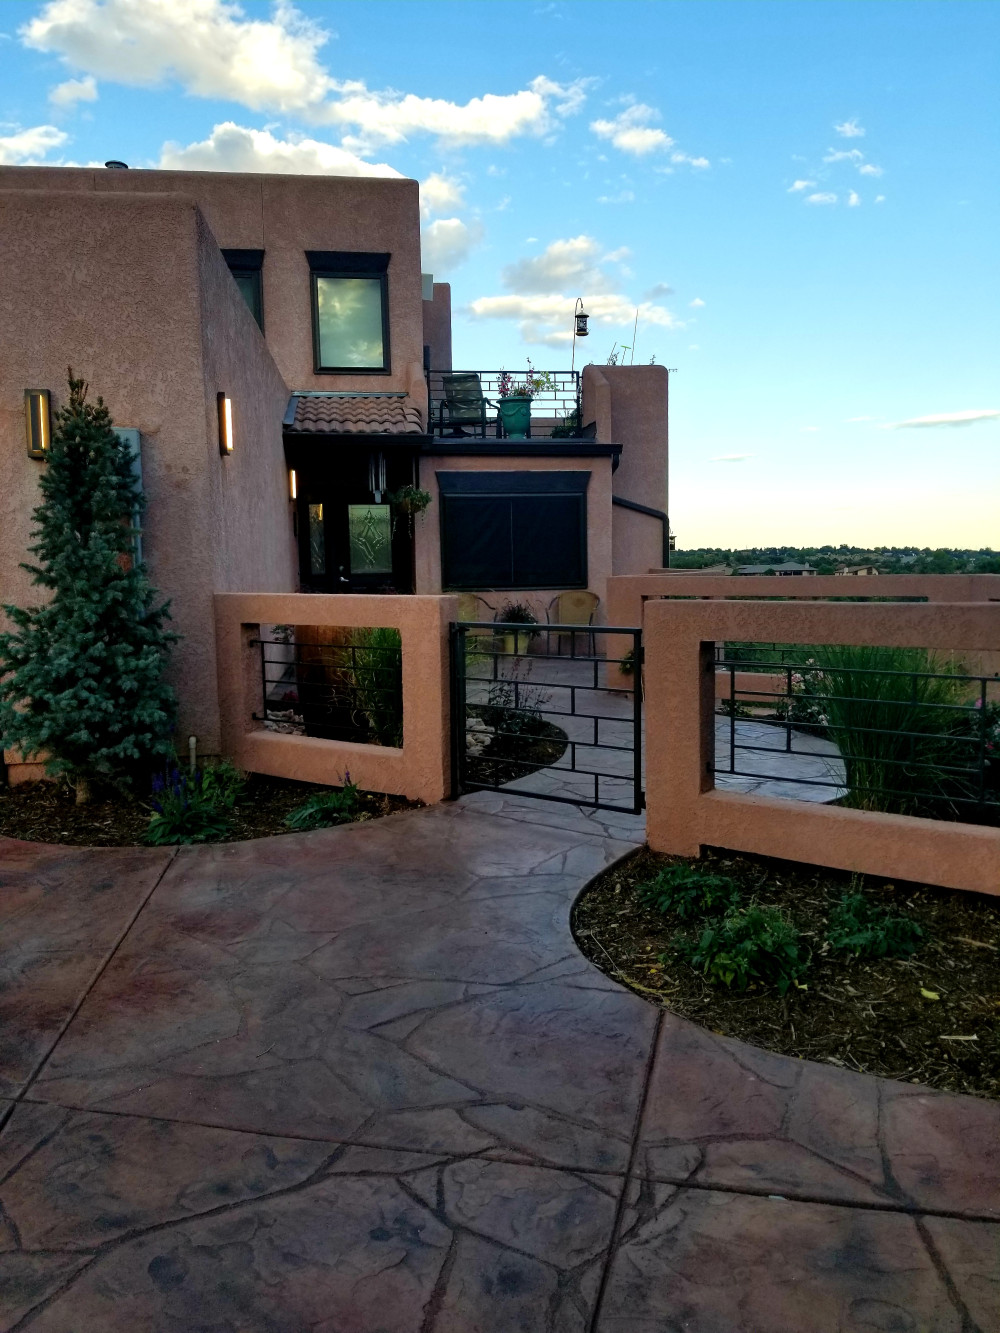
(689, 891)
(81, 676)
(859, 928)
(751, 945)
(375, 655)
(325, 808)
(568, 428)
(223, 783)
(184, 811)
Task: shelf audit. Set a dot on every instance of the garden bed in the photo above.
(506, 758)
(45, 812)
(874, 1015)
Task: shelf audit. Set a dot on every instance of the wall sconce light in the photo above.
(580, 318)
(293, 485)
(225, 424)
(37, 422)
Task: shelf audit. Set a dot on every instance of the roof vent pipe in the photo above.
(115, 165)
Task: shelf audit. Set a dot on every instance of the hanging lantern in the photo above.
(581, 323)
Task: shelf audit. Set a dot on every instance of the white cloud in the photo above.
(208, 46)
(631, 132)
(622, 197)
(821, 199)
(810, 429)
(869, 169)
(30, 145)
(541, 292)
(446, 243)
(853, 199)
(797, 186)
(880, 198)
(844, 155)
(732, 458)
(233, 147)
(67, 95)
(697, 303)
(850, 129)
(440, 192)
(967, 418)
(699, 162)
(212, 49)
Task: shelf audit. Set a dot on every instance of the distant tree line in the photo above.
(828, 559)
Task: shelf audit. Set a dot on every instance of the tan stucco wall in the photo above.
(131, 291)
(629, 405)
(285, 216)
(437, 326)
(420, 769)
(428, 530)
(685, 813)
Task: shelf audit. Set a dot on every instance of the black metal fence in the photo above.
(555, 406)
(348, 686)
(532, 713)
(904, 734)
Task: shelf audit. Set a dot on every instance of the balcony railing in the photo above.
(555, 408)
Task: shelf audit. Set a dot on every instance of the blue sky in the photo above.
(800, 198)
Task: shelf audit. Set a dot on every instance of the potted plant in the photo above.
(514, 641)
(515, 400)
(409, 500)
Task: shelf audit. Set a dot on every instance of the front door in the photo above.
(351, 539)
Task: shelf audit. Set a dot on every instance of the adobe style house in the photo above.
(274, 348)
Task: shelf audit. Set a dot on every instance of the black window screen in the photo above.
(514, 529)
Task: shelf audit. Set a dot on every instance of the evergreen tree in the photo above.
(83, 674)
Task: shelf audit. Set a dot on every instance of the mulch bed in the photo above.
(862, 1014)
(45, 812)
(507, 758)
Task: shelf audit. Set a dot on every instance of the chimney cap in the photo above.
(115, 165)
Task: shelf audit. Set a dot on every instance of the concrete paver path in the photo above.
(362, 1081)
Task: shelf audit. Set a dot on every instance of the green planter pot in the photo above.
(515, 413)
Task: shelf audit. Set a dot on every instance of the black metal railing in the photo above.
(350, 690)
(532, 713)
(920, 742)
(555, 406)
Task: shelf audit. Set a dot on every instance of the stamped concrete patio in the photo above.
(362, 1081)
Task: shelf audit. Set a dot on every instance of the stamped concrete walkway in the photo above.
(362, 1081)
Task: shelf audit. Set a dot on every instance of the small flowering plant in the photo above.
(186, 809)
(535, 382)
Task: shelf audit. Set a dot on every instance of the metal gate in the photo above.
(548, 711)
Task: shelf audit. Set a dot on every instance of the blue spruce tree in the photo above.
(82, 675)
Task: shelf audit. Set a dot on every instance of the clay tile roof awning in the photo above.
(348, 414)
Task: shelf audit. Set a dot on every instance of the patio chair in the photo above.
(463, 403)
(577, 607)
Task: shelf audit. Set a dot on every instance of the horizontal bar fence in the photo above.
(350, 690)
(908, 742)
(555, 404)
(533, 715)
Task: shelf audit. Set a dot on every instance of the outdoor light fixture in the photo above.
(37, 422)
(580, 318)
(225, 424)
(293, 485)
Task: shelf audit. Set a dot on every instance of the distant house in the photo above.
(781, 567)
(858, 570)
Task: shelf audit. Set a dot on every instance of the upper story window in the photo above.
(245, 266)
(350, 312)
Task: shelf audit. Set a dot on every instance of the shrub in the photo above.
(184, 811)
(325, 808)
(859, 928)
(223, 783)
(689, 891)
(749, 945)
(376, 683)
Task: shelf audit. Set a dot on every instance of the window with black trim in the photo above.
(245, 266)
(350, 312)
(509, 530)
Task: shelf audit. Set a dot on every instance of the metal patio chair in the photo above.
(463, 403)
(576, 607)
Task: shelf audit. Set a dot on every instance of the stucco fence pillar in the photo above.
(684, 811)
(419, 769)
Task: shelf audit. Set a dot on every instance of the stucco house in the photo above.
(280, 358)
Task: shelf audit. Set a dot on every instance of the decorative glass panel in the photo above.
(370, 529)
(349, 323)
(317, 540)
